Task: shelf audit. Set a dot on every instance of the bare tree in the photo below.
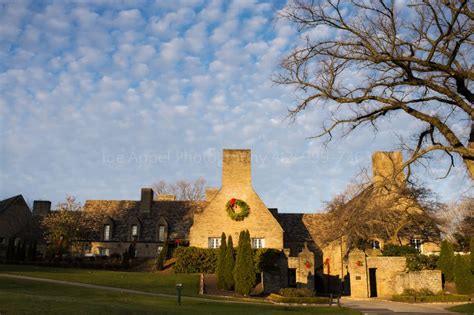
(454, 217)
(386, 57)
(388, 210)
(184, 190)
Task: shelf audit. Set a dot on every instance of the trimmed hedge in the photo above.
(431, 298)
(264, 259)
(421, 262)
(398, 250)
(195, 260)
(296, 292)
(306, 300)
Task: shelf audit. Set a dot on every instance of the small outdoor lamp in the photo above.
(179, 286)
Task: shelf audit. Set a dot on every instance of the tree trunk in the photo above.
(470, 163)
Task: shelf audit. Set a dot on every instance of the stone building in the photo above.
(307, 260)
(19, 223)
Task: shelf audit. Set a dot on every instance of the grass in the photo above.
(32, 297)
(464, 308)
(141, 281)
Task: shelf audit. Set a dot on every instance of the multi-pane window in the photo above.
(134, 232)
(416, 243)
(214, 242)
(374, 244)
(3, 240)
(107, 232)
(104, 252)
(258, 242)
(161, 233)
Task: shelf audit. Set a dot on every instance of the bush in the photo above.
(471, 255)
(307, 300)
(266, 259)
(446, 260)
(294, 292)
(463, 278)
(399, 250)
(421, 262)
(195, 260)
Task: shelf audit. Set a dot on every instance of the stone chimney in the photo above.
(41, 207)
(146, 200)
(236, 170)
(387, 167)
(211, 193)
(166, 198)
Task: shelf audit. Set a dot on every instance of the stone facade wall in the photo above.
(358, 274)
(387, 270)
(425, 279)
(236, 183)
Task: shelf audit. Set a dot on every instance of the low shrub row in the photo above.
(294, 292)
(300, 300)
(204, 260)
(431, 298)
(426, 296)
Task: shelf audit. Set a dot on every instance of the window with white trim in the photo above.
(416, 243)
(214, 242)
(161, 233)
(258, 243)
(374, 244)
(107, 232)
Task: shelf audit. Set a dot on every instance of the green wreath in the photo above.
(244, 209)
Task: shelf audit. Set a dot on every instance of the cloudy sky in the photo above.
(101, 98)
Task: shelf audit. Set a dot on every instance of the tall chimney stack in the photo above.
(236, 168)
(146, 200)
(41, 207)
(387, 168)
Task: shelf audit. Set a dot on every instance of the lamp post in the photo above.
(179, 286)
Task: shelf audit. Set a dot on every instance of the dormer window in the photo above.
(107, 232)
(134, 231)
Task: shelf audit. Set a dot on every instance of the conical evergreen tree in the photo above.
(446, 260)
(228, 274)
(221, 262)
(160, 263)
(463, 277)
(244, 271)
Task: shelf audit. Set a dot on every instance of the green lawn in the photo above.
(464, 308)
(32, 297)
(141, 281)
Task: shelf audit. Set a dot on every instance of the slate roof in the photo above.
(6, 203)
(300, 227)
(178, 214)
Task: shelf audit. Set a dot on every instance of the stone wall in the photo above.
(391, 276)
(425, 279)
(387, 270)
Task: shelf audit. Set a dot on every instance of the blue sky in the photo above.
(101, 98)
